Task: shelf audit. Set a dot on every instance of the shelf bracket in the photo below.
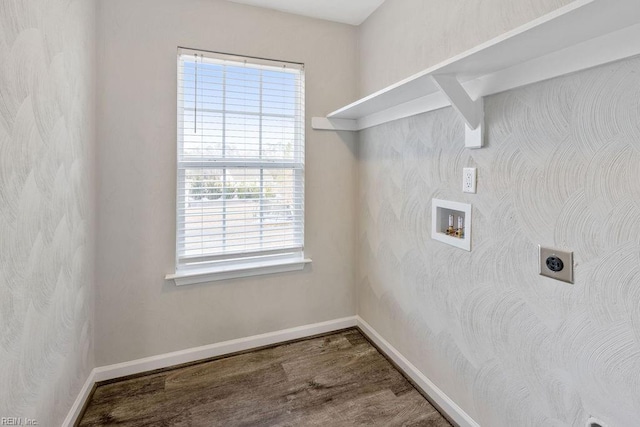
(471, 111)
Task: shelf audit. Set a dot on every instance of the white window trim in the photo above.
(257, 267)
(239, 268)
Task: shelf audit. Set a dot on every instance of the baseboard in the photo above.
(220, 349)
(110, 372)
(81, 400)
(195, 354)
(437, 396)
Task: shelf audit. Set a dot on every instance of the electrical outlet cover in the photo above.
(556, 264)
(469, 176)
(594, 422)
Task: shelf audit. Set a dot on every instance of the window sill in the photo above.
(213, 274)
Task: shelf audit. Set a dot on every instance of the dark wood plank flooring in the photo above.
(334, 380)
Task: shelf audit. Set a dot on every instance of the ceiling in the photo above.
(352, 12)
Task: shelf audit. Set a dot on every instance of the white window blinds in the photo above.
(240, 159)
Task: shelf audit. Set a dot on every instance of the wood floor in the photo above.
(334, 380)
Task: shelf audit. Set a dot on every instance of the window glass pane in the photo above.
(242, 89)
(279, 93)
(206, 140)
(205, 80)
(239, 210)
(240, 159)
(279, 137)
(243, 136)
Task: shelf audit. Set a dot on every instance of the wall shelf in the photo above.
(581, 35)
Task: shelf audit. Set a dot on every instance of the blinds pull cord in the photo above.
(195, 97)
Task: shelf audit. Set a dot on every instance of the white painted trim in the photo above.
(472, 111)
(323, 123)
(195, 354)
(474, 138)
(220, 349)
(77, 406)
(582, 35)
(432, 102)
(438, 224)
(139, 366)
(437, 396)
(192, 277)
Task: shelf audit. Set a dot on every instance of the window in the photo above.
(240, 195)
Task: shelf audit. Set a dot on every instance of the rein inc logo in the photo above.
(17, 421)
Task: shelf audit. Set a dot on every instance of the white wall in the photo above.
(47, 205)
(139, 313)
(560, 169)
(404, 37)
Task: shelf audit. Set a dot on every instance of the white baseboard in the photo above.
(167, 360)
(437, 396)
(104, 373)
(220, 349)
(77, 406)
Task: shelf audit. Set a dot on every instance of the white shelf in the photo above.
(581, 35)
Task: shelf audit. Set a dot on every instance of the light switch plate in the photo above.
(555, 264)
(469, 178)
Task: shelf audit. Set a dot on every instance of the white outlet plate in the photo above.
(469, 180)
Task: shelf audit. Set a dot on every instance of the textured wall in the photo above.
(560, 169)
(46, 205)
(404, 37)
(138, 312)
